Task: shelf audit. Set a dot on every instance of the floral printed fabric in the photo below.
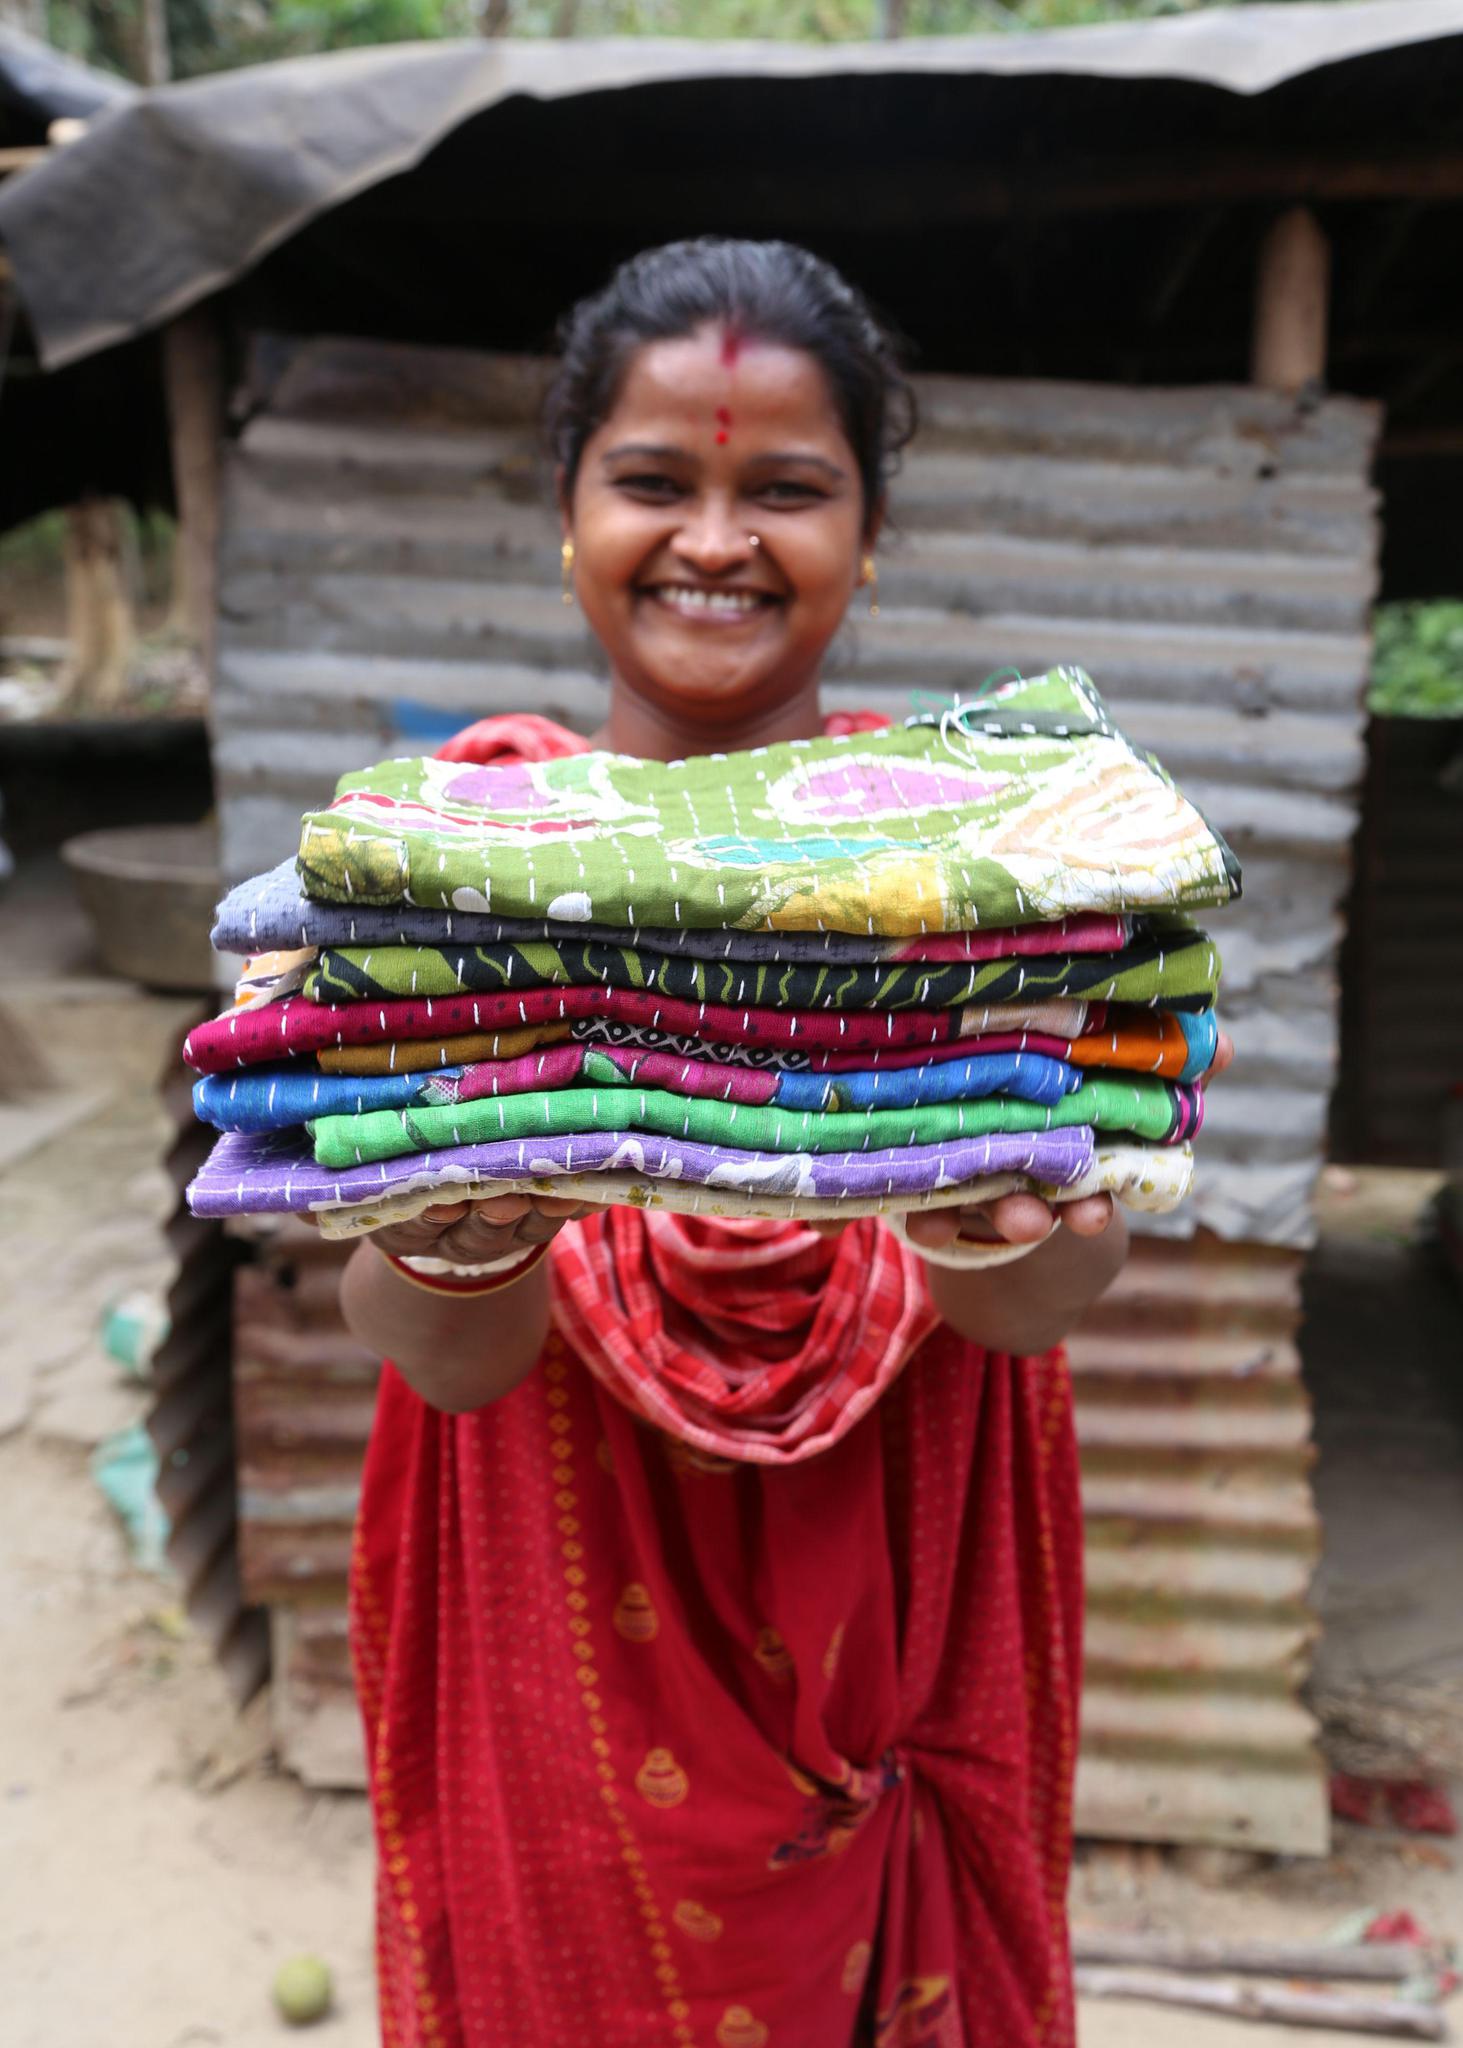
(265, 1173)
(260, 1172)
(272, 911)
(1178, 969)
(1024, 806)
(1153, 1179)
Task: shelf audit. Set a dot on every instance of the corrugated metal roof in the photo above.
(121, 232)
(390, 553)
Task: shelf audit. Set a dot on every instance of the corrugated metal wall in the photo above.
(390, 564)
(1402, 964)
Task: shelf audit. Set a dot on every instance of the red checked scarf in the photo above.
(743, 1340)
(720, 1683)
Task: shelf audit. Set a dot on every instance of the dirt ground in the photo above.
(157, 1866)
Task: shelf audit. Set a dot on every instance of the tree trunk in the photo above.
(29, 16)
(99, 615)
(154, 50)
(194, 370)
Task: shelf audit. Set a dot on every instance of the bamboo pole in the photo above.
(1402, 2019)
(1375, 1962)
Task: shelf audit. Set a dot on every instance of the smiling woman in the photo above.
(724, 422)
(670, 1746)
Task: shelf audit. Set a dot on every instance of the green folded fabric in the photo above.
(1179, 969)
(1146, 1107)
(1022, 805)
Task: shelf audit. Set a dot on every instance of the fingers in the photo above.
(1022, 1219)
(1088, 1217)
(500, 1208)
(507, 1208)
(1012, 1219)
(933, 1228)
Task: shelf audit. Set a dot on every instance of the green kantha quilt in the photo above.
(1024, 805)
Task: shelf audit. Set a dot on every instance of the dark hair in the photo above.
(768, 291)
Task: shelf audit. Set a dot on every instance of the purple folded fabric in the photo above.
(254, 1173)
(272, 911)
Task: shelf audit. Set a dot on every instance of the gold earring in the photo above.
(566, 568)
(870, 576)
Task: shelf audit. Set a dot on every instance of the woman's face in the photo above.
(718, 524)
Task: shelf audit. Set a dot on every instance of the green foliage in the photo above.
(216, 35)
(1417, 661)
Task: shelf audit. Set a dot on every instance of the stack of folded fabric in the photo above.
(928, 964)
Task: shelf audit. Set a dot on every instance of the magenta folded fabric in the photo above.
(298, 1026)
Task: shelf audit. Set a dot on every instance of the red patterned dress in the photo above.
(749, 1726)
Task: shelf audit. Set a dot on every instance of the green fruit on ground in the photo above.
(302, 1990)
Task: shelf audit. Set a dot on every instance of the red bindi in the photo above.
(723, 422)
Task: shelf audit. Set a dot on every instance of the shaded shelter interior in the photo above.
(100, 427)
(1049, 226)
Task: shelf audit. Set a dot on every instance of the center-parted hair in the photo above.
(763, 291)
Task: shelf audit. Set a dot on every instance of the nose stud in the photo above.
(754, 540)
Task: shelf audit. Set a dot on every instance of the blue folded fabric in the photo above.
(1033, 1076)
(275, 1098)
(1201, 1029)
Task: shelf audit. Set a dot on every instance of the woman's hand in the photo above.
(1027, 1219)
(458, 1352)
(479, 1232)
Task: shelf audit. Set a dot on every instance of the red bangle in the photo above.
(469, 1286)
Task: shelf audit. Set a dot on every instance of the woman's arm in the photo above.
(457, 1353)
(1031, 1303)
(1026, 1305)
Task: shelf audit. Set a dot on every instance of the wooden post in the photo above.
(1292, 302)
(193, 368)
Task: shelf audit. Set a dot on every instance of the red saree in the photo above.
(749, 1726)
